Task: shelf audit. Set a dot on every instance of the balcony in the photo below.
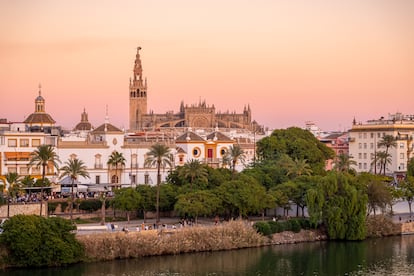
(98, 166)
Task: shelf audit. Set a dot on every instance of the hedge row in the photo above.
(270, 227)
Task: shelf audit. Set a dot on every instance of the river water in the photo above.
(385, 256)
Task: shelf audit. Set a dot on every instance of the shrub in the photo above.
(38, 241)
(51, 206)
(294, 225)
(263, 227)
(304, 223)
(90, 205)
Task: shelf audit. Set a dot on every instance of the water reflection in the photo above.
(387, 256)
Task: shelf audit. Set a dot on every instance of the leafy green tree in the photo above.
(298, 144)
(160, 156)
(281, 199)
(34, 241)
(116, 160)
(407, 187)
(233, 156)
(194, 170)
(344, 163)
(243, 196)
(197, 203)
(74, 168)
(127, 199)
(410, 167)
(147, 202)
(379, 196)
(168, 197)
(42, 157)
(216, 176)
(269, 173)
(339, 202)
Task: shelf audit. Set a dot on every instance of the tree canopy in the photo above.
(298, 144)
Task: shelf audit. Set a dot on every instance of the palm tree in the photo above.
(193, 169)
(387, 141)
(116, 159)
(74, 168)
(28, 182)
(14, 181)
(382, 158)
(298, 167)
(42, 157)
(233, 156)
(344, 162)
(160, 156)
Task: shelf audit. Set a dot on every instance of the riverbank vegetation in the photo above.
(288, 170)
(38, 241)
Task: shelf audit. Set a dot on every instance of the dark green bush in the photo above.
(51, 206)
(304, 223)
(90, 205)
(38, 241)
(294, 225)
(263, 227)
(276, 226)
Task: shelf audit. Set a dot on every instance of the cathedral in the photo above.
(193, 116)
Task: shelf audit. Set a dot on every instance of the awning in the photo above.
(18, 156)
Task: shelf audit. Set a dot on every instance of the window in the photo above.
(372, 135)
(12, 142)
(401, 155)
(24, 142)
(359, 135)
(365, 136)
(35, 142)
(146, 178)
(134, 161)
(12, 169)
(365, 155)
(360, 166)
(24, 170)
(133, 179)
(378, 135)
(371, 146)
(402, 166)
(223, 151)
(365, 166)
(98, 179)
(35, 170)
(365, 145)
(98, 163)
(196, 152)
(360, 145)
(359, 155)
(401, 145)
(114, 179)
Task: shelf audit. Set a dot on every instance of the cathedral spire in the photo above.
(137, 95)
(138, 67)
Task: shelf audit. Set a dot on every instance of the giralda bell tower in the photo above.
(137, 96)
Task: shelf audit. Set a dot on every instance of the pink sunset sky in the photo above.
(292, 61)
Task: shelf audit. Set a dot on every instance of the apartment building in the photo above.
(364, 139)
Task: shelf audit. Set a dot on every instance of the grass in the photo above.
(119, 245)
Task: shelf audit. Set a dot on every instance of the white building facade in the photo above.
(364, 139)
